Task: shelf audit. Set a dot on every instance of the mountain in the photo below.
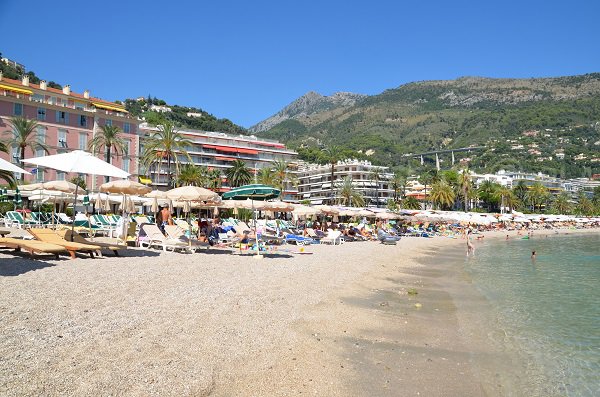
(550, 125)
(308, 104)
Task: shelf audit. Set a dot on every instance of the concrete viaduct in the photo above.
(443, 151)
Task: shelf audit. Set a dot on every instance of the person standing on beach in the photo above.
(470, 247)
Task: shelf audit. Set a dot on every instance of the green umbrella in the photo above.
(86, 200)
(253, 192)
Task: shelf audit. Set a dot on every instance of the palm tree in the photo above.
(24, 136)
(266, 176)
(214, 179)
(537, 195)
(520, 191)
(561, 204)
(109, 138)
(487, 193)
(190, 175)
(238, 174)
(348, 195)
(465, 183)
(281, 174)
(506, 197)
(584, 205)
(398, 183)
(167, 143)
(442, 194)
(376, 175)
(411, 203)
(333, 155)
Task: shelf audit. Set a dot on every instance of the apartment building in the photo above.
(66, 121)
(314, 182)
(217, 150)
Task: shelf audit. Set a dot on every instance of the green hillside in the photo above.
(200, 120)
(523, 123)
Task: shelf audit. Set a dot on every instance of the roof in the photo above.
(55, 90)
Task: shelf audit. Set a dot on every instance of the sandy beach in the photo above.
(352, 320)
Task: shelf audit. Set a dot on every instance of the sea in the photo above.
(544, 310)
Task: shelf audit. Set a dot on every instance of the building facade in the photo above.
(66, 121)
(315, 184)
(217, 150)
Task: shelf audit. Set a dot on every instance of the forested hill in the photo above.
(155, 110)
(540, 124)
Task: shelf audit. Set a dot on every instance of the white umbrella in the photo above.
(79, 162)
(7, 166)
(192, 193)
(124, 186)
(159, 194)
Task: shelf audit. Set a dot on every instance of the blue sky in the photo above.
(245, 60)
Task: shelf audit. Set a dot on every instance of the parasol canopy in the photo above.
(254, 191)
(124, 186)
(80, 162)
(192, 193)
(7, 166)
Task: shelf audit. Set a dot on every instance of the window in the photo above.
(108, 122)
(60, 176)
(79, 105)
(39, 152)
(18, 111)
(83, 141)
(127, 147)
(41, 114)
(62, 117)
(39, 174)
(41, 134)
(52, 100)
(126, 128)
(82, 120)
(62, 138)
(126, 165)
(37, 98)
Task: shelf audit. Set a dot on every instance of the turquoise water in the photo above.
(545, 311)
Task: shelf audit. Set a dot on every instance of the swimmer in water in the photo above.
(533, 256)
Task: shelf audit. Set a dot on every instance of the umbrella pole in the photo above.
(74, 213)
(258, 255)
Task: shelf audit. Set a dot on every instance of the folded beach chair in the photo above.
(155, 238)
(176, 233)
(66, 234)
(32, 246)
(51, 236)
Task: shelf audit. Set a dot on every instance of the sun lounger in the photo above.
(155, 238)
(177, 233)
(50, 236)
(333, 237)
(17, 220)
(32, 246)
(66, 234)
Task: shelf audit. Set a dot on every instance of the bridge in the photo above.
(443, 151)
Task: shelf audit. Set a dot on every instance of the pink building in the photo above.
(66, 121)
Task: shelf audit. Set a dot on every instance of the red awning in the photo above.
(224, 158)
(228, 149)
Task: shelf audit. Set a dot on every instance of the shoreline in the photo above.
(340, 322)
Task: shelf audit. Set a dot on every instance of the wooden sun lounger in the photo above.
(50, 236)
(32, 246)
(66, 234)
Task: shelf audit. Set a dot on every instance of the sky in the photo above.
(246, 60)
